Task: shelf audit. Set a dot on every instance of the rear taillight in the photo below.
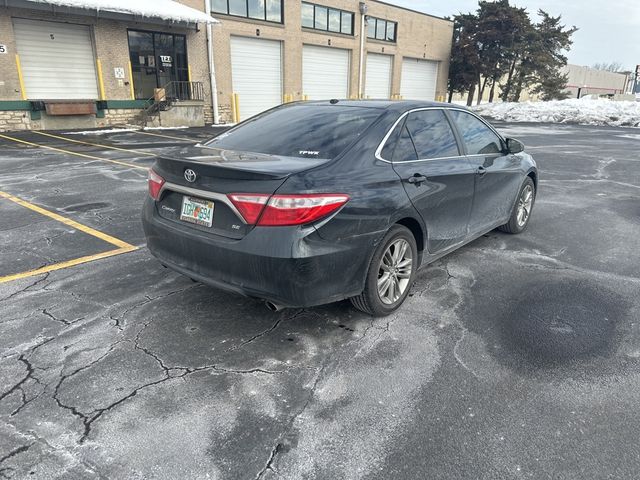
(155, 184)
(249, 205)
(286, 210)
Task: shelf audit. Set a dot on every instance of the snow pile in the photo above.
(586, 111)
(164, 9)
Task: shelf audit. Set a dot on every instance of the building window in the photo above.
(380, 29)
(156, 59)
(327, 19)
(267, 10)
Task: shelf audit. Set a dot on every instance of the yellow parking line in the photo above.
(66, 221)
(68, 152)
(67, 264)
(129, 150)
(123, 247)
(167, 136)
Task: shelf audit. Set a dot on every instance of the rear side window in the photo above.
(478, 138)
(432, 134)
(305, 131)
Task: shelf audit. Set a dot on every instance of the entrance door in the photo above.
(156, 60)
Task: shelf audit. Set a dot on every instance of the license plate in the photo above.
(197, 210)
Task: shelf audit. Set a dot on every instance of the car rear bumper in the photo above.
(288, 266)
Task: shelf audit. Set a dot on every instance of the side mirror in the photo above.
(514, 146)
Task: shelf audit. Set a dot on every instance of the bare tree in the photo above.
(609, 67)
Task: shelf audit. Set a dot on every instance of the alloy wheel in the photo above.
(396, 266)
(525, 202)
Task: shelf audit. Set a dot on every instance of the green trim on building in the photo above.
(26, 105)
(122, 104)
(9, 105)
(36, 115)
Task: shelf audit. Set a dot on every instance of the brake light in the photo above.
(286, 210)
(155, 184)
(249, 205)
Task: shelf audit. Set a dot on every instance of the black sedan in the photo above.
(315, 202)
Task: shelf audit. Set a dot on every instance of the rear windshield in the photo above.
(305, 131)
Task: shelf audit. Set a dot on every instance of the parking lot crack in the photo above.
(15, 452)
(28, 376)
(96, 414)
(54, 318)
(269, 465)
(280, 444)
(257, 336)
(27, 288)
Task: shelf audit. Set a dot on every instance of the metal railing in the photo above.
(172, 92)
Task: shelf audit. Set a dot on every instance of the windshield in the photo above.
(305, 131)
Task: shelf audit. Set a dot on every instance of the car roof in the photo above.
(393, 105)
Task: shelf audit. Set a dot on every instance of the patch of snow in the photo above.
(585, 111)
(165, 128)
(164, 9)
(102, 132)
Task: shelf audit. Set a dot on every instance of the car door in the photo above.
(498, 175)
(438, 179)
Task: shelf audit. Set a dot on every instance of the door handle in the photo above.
(481, 171)
(417, 179)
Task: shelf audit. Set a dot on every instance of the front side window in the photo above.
(432, 134)
(477, 137)
(379, 29)
(327, 19)
(304, 131)
(267, 10)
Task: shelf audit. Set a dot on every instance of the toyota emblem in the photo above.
(190, 176)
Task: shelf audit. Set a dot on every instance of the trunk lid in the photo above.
(218, 173)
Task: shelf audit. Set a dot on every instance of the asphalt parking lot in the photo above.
(515, 357)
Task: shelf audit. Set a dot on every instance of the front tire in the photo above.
(521, 213)
(391, 274)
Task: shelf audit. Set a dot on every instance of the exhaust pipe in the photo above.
(273, 307)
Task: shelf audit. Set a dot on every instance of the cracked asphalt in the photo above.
(515, 357)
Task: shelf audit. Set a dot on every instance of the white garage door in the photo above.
(57, 60)
(378, 81)
(325, 72)
(419, 79)
(256, 69)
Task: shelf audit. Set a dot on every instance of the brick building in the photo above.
(82, 64)
(294, 50)
(91, 66)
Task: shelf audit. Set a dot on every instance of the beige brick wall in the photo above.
(419, 36)
(14, 120)
(9, 84)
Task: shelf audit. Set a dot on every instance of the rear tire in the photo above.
(521, 213)
(391, 274)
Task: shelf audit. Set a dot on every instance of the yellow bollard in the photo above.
(235, 106)
(133, 92)
(23, 91)
(100, 79)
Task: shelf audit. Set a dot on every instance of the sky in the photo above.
(609, 30)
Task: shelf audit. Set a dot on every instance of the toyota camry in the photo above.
(314, 202)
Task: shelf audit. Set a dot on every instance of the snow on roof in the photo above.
(163, 9)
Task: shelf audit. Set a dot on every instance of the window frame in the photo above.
(328, 13)
(264, 19)
(462, 148)
(386, 29)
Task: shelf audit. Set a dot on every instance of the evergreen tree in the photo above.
(499, 41)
